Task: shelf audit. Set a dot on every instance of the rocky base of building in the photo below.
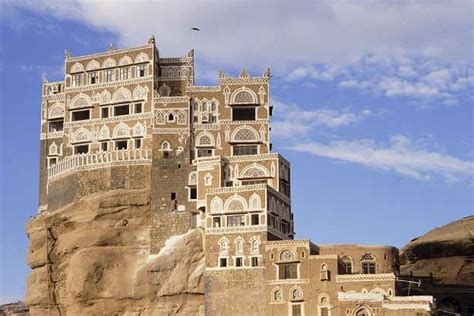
(92, 257)
(14, 309)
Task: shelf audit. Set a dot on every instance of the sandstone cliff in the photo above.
(447, 253)
(92, 258)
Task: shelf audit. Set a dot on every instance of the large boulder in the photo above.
(92, 257)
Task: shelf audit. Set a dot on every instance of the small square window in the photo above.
(173, 196)
(238, 262)
(223, 262)
(138, 108)
(142, 70)
(121, 145)
(104, 146)
(93, 78)
(166, 155)
(216, 222)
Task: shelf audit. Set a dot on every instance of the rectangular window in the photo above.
(93, 77)
(235, 220)
(238, 262)
(254, 219)
(243, 114)
(216, 222)
(109, 75)
(324, 311)
(223, 262)
(192, 193)
(368, 267)
(288, 271)
(104, 112)
(138, 108)
(56, 125)
(81, 115)
(104, 146)
(121, 110)
(212, 119)
(76, 80)
(245, 150)
(52, 161)
(81, 149)
(204, 152)
(254, 262)
(173, 196)
(138, 143)
(121, 144)
(141, 70)
(296, 310)
(124, 73)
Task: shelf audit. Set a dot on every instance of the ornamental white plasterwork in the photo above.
(164, 90)
(243, 188)
(81, 135)
(77, 67)
(80, 101)
(243, 95)
(121, 130)
(53, 149)
(229, 122)
(254, 170)
(172, 60)
(125, 60)
(51, 135)
(216, 205)
(239, 246)
(122, 94)
(175, 72)
(255, 201)
(56, 111)
(207, 127)
(288, 281)
(205, 139)
(244, 134)
(113, 119)
(104, 132)
(116, 52)
(261, 94)
(192, 180)
(112, 84)
(92, 161)
(365, 277)
(92, 65)
(140, 93)
(176, 131)
(235, 229)
(141, 58)
(109, 63)
(235, 203)
(190, 88)
(167, 100)
(54, 97)
(242, 81)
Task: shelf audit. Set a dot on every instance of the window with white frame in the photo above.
(93, 77)
(124, 73)
(109, 75)
(76, 80)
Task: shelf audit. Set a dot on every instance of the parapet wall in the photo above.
(74, 186)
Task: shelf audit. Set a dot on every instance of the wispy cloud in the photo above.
(424, 78)
(401, 155)
(293, 121)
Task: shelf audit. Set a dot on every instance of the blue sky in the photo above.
(373, 103)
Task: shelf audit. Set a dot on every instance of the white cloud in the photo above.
(292, 121)
(401, 155)
(312, 32)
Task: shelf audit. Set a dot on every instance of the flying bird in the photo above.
(195, 29)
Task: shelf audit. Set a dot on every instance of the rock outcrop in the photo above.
(92, 258)
(446, 253)
(14, 309)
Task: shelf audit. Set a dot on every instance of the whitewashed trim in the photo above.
(112, 119)
(109, 53)
(288, 282)
(51, 135)
(365, 277)
(117, 83)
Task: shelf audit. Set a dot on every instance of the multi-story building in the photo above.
(128, 118)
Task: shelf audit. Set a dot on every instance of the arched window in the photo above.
(170, 117)
(165, 146)
(296, 294)
(223, 246)
(363, 312)
(216, 205)
(254, 201)
(254, 243)
(205, 139)
(239, 246)
(245, 134)
(324, 272)
(287, 255)
(235, 203)
(347, 264)
(277, 295)
(164, 90)
(367, 263)
(181, 118)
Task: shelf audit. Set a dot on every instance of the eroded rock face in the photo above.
(446, 253)
(92, 257)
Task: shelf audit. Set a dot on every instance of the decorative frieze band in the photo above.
(100, 121)
(107, 53)
(236, 229)
(243, 188)
(51, 135)
(109, 84)
(365, 277)
(287, 281)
